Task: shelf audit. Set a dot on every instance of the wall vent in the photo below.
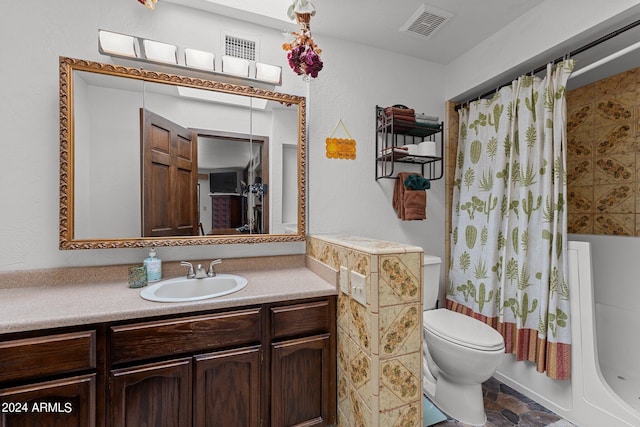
(426, 21)
(239, 47)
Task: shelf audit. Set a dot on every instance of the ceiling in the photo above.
(377, 23)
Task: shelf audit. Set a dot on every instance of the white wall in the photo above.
(544, 33)
(343, 195)
(345, 198)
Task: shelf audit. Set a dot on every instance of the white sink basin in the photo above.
(183, 289)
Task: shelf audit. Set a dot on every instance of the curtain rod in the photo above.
(572, 53)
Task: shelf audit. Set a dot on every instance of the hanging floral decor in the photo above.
(151, 4)
(302, 52)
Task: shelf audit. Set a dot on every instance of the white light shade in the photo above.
(160, 52)
(118, 44)
(199, 59)
(235, 66)
(269, 73)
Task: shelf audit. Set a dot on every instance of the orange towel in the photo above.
(408, 204)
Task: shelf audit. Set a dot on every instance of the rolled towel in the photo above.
(417, 182)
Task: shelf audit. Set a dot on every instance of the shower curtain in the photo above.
(508, 242)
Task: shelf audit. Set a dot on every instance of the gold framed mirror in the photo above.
(113, 194)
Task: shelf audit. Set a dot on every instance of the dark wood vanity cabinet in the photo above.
(270, 365)
(303, 364)
(49, 380)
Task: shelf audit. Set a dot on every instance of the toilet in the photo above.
(459, 354)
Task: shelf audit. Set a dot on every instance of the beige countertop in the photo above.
(70, 304)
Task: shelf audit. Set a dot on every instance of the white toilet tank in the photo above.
(431, 281)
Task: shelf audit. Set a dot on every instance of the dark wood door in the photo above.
(157, 395)
(61, 403)
(169, 178)
(301, 391)
(227, 388)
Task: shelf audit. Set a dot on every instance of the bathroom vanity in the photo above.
(265, 357)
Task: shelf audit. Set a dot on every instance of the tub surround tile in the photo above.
(579, 172)
(603, 148)
(580, 199)
(614, 224)
(580, 223)
(613, 199)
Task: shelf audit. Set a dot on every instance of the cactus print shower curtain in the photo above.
(508, 243)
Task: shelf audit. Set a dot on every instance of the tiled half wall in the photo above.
(379, 344)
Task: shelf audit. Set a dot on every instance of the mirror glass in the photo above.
(151, 159)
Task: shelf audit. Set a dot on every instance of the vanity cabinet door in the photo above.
(157, 394)
(302, 382)
(227, 388)
(69, 402)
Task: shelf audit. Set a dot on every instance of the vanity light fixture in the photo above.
(235, 66)
(269, 73)
(195, 58)
(150, 51)
(116, 44)
(160, 52)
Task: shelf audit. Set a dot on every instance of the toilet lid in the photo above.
(462, 330)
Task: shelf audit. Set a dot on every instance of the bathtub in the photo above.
(604, 389)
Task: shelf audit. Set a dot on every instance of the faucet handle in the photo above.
(212, 272)
(191, 273)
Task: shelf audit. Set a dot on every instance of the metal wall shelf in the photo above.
(394, 132)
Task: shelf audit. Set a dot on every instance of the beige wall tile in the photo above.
(580, 223)
(614, 224)
(360, 326)
(399, 279)
(362, 416)
(604, 117)
(400, 382)
(400, 330)
(613, 199)
(405, 416)
(360, 375)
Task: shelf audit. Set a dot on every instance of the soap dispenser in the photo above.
(154, 266)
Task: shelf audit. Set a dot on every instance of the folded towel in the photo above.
(408, 204)
(415, 204)
(395, 111)
(417, 182)
(422, 116)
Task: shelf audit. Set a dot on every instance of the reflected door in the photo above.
(169, 178)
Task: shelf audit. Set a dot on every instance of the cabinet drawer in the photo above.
(306, 318)
(184, 335)
(47, 355)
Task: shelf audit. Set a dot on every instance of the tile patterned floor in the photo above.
(506, 407)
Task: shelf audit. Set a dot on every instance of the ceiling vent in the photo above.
(426, 21)
(239, 47)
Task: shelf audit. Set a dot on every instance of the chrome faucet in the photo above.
(199, 272)
(190, 274)
(212, 272)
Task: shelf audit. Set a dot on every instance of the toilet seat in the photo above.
(462, 330)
